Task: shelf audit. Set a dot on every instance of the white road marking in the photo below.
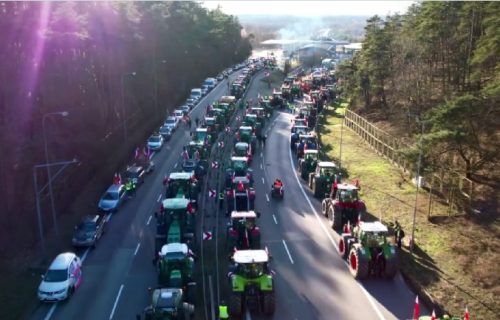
(116, 302)
(261, 154)
(137, 249)
(368, 296)
(286, 248)
(109, 217)
(263, 182)
(274, 217)
(149, 220)
(267, 197)
(175, 165)
(247, 315)
(51, 311)
(159, 198)
(261, 167)
(84, 255)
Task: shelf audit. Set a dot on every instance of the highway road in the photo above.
(118, 273)
(312, 281)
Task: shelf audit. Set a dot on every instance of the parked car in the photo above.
(190, 102)
(172, 122)
(196, 94)
(204, 90)
(178, 114)
(62, 278)
(89, 231)
(220, 77)
(185, 109)
(135, 174)
(166, 132)
(210, 83)
(112, 199)
(155, 141)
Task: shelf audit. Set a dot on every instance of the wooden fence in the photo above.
(456, 189)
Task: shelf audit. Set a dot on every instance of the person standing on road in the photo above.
(223, 314)
(263, 140)
(400, 234)
(221, 200)
(197, 121)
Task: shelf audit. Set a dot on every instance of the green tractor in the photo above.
(368, 252)
(228, 103)
(321, 180)
(242, 233)
(237, 90)
(253, 121)
(246, 134)
(168, 304)
(204, 136)
(211, 124)
(175, 265)
(199, 146)
(220, 115)
(238, 167)
(182, 185)
(243, 149)
(266, 104)
(260, 113)
(175, 223)
(308, 163)
(343, 206)
(251, 283)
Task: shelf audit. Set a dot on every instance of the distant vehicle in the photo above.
(113, 198)
(178, 114)
(210, 83)
(171, 122)
(196, 94)
(220, 77)
(204, 90)
(62, 278)
(135, 174)
(166, 132)
(191, 103)
(155, 141)
(185, 108)
(89, 231)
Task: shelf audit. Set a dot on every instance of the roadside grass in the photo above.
(455, 259)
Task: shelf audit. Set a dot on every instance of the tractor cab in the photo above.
(182, 185)
(175, 265)
(250, 120)
(247, 134)
(211, 124)
(195, 146)
(202, 135)
(306, 142)
(167, 304)
(237, 90)
(277, 99)
(220, 116)
(242, 231)
(243, 149)
(343, 206)
(321, 180)
(175, 223)
(308, 163)
(228, 100)
(252, 283)
(240, 195)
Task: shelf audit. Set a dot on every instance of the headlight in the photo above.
(60, 291)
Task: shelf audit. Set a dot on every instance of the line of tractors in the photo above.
(363, 244)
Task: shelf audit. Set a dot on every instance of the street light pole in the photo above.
(417, 180)
(125, 136)
(49, 175)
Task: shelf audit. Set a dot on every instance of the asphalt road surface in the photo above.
(312, 281)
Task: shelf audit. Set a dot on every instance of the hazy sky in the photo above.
(310, 8)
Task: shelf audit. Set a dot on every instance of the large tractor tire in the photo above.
(303, 170)
(357, 265)
(344, 245)
(268, 303)
(235, 306)
(310, 181)
(391, 268)
(336, 218)
(324, 207)
(188, 310)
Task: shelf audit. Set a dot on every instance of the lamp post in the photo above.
(417, 180)
(49, 176)
(123, 104)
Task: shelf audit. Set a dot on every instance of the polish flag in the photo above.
(117, 179)
(466, 314)
(137, 152)
(433, 316)
(416, 309)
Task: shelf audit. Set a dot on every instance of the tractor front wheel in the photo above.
(235, 306)
(390, 268)
(344, 245)
(268, 303)
(336, 218)
(357, 265)
(324, 207)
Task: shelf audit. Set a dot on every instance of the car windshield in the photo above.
(165, 300)
(87, 226)
(110, 196)
(164, 130)
(170, 121)
(154, 139)
(56, 275)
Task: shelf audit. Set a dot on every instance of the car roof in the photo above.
(171, 118)
(310, 151)
(201, 129)
(175, 203)
(376, 226)
(134, 168)
(246, 128)
(250, 256)
(239, 159)
(241, 145)
(209, 118)
(178, 110)
(346, 186)
(62, 261)
(174, 247)
(243, 214)
(327, 164)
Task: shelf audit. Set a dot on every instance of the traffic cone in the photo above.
(416, 309)
(466, 314)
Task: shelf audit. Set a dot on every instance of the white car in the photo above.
(171, 122)
(204, 90)
(178, 114)
(62, 279)
(155, 142)
(196, 94)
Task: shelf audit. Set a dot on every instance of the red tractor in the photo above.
(343, 206)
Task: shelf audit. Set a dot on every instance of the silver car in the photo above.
(113, 198)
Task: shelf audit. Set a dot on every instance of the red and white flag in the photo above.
(137, 152)
(147, 152)
(466, 314)
(433, 316)
(359, 221)
(117, 179)
(416, 309)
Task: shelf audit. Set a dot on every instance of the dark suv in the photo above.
(89, 231)
(135, 174)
